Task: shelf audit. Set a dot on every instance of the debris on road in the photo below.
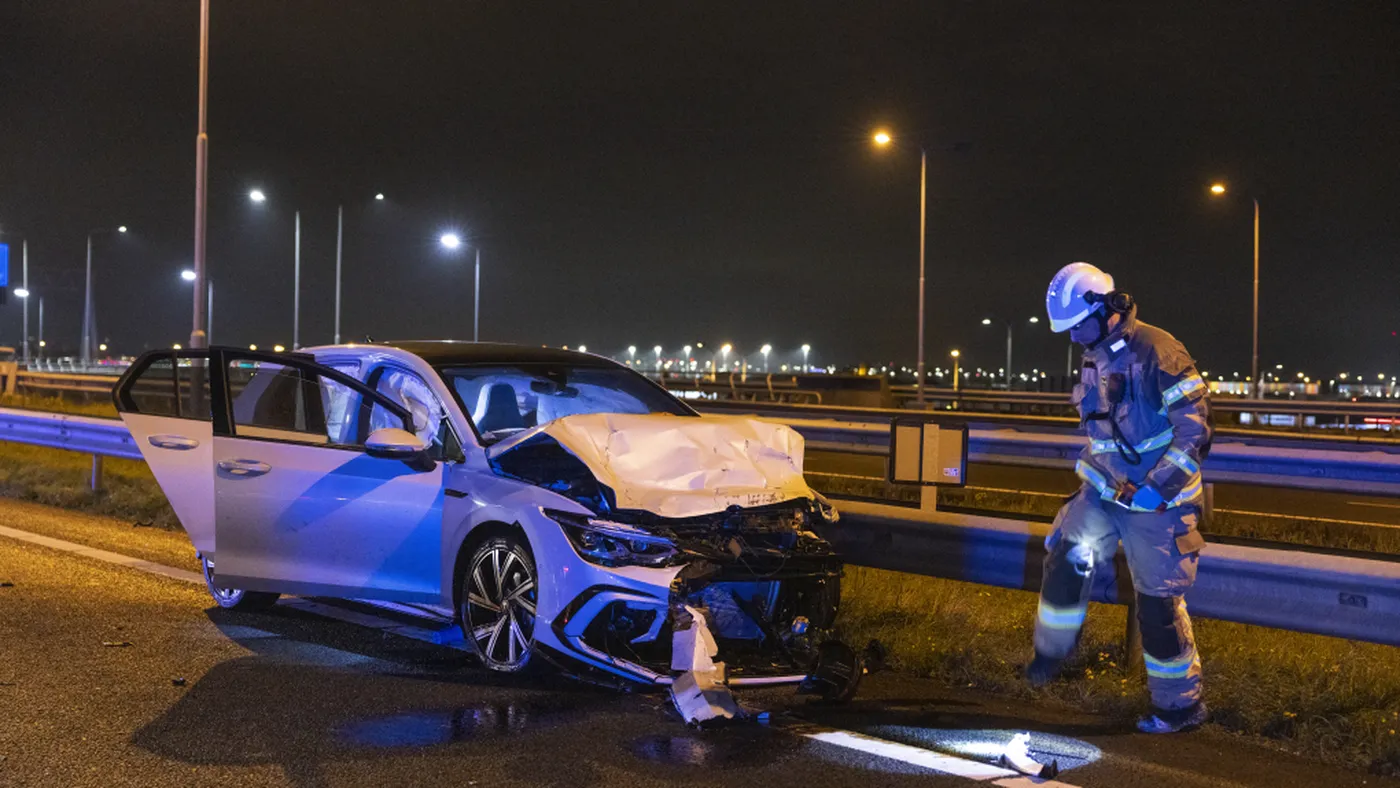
(6, 584)
(178, 682)
(698, 689)
(1017, 756)
(116, 643)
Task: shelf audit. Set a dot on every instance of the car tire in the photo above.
(235, 598)
(500, 589)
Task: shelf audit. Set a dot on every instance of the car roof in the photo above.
(440, 352)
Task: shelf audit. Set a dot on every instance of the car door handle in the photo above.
(177, 442)
(244, 468)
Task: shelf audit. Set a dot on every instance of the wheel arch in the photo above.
(475, 537)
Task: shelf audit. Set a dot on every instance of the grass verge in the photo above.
(1330, 699)
(60, 478)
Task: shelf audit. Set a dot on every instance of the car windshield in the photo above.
(505, 399)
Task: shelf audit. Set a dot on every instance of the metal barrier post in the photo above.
(95, 482)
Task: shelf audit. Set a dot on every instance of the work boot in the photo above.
(1043, 670)
(1174, 720)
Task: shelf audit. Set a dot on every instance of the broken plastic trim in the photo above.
(613, 544)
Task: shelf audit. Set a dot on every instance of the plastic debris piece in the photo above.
(1017, 756)
(178, 682)
(116, 643)
(6, 584)
(698, 687)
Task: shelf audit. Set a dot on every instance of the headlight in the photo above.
(613, 544)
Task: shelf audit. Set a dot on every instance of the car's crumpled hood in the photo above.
(672, 466)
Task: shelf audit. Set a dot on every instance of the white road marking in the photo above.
(105, 556)
(928, 759)
(1377, 505)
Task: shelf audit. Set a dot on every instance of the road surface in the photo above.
(115, 674)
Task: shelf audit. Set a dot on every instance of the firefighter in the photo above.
(1146, 412)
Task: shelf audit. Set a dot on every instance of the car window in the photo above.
(430, 421)
(171, 386)
(341, 405)
(288, 403)
(501, 400)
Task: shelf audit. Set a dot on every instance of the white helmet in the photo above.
(1065, 301)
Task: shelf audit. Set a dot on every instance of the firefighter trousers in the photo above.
(1162, 549)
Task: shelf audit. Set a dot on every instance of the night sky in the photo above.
(658, 172)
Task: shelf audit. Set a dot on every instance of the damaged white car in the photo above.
(560, 505)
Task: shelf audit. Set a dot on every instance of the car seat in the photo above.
(496, 409)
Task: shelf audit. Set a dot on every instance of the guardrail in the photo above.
(1353, 598)
(86, 434)
(1356, 598)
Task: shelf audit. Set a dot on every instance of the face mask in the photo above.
(1088, 331)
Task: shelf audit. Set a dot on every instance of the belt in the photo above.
(1096, 479)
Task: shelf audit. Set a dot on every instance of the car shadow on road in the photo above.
(314, 692)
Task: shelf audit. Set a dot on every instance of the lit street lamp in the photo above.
(805, 350)
(190, 276)
(765, 350)
(257, 197)
(1219, 190)
(956, 368)
(89, 317)
(631, 355)
(339, 246)
(657, 351)
(883, 139)
(452, 242)
(987, 321)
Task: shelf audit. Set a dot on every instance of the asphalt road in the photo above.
(111, 675)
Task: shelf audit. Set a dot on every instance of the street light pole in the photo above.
(923, 234)
(25, 284)
(339, 237)
(198, 337)
(476, 299)
(85, 353)
(883, 139)
(296, 287)
(1254, 363)
(41, 327)
(1218, 190)
(1008, 355)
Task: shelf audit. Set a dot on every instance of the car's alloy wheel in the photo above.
(499, 592)
(235, 598)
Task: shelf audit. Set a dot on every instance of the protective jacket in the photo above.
(1147, 414)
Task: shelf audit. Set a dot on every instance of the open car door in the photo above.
(164, 401)
(300, 506)
(277, 487)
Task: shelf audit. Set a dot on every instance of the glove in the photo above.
(1148, 498)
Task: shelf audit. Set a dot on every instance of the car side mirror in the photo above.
(393, 443)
